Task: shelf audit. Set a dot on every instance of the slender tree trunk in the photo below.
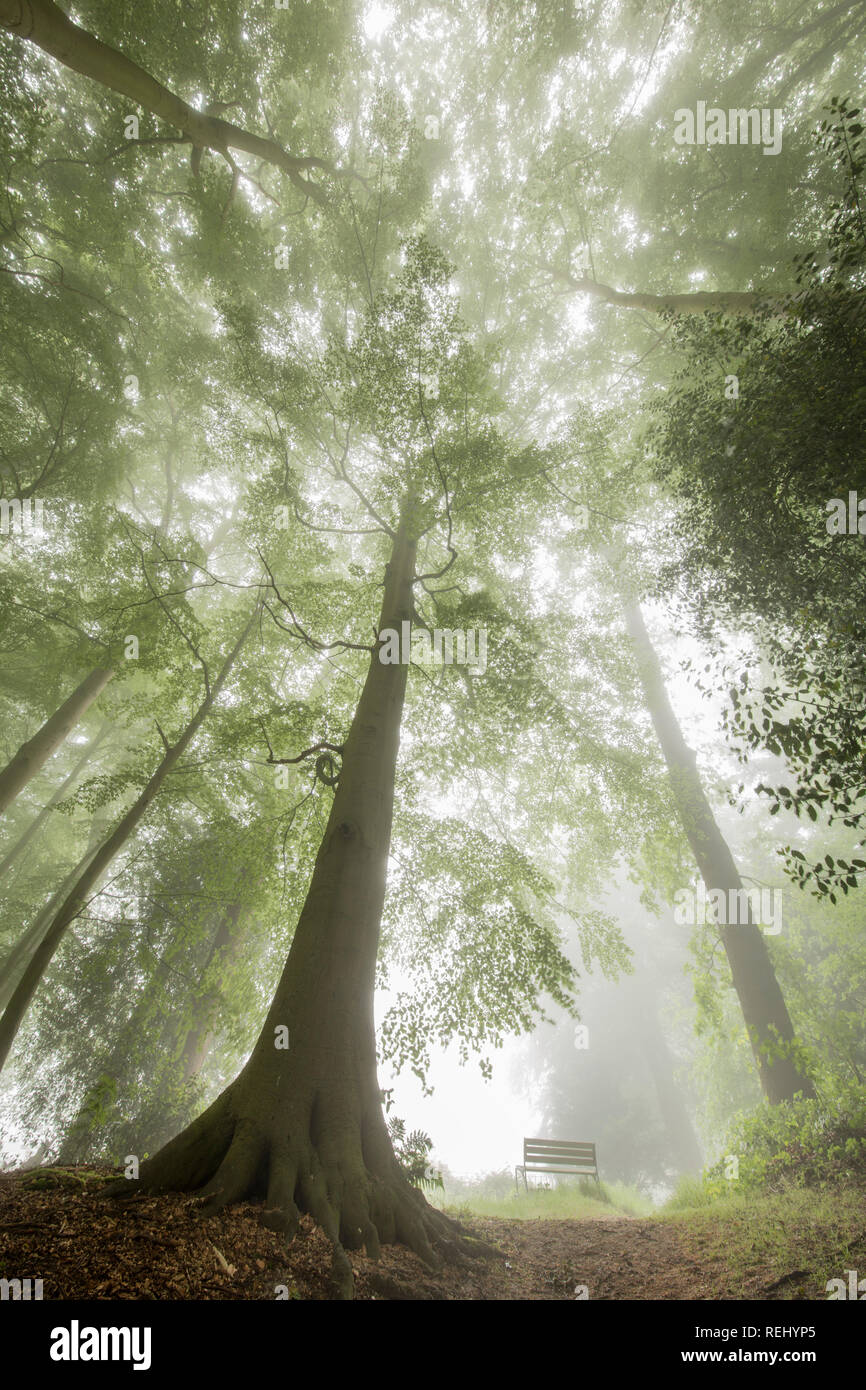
(16, 960)
(303, 1123)
(33, 754)
(76, 899)
(37, 822)
(771, 1033)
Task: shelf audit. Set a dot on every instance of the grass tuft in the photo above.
(565, 1202)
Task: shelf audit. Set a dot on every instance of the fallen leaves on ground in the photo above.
(55, 1226)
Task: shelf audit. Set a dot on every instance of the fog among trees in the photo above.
(433, 598)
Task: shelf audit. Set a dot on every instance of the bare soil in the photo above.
(55, 1226)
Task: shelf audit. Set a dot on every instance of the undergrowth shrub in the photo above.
(804, 1142)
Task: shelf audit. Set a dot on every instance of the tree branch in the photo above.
(697, 302)
(44, 24)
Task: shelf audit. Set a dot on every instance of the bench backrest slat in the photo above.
(548, 1146)
(577, 1149)
(558, 1155)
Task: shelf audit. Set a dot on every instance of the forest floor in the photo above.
(55, 1226)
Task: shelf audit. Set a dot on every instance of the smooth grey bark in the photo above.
(15, 961)
(768, 1024)
(33, 754)
(696, 302)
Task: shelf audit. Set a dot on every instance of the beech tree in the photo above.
(769, 533)
(303, 1121)
(276, 458)
(769, 1026)
(44, 24)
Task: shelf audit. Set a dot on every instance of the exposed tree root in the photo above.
(395, 1290)
(355, 1191)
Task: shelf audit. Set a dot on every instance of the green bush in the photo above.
(803, 1142)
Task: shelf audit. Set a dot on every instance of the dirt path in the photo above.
(618, 1258)
(54, 1226)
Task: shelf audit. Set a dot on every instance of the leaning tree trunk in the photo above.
(16, 959)
(769, 1027)
(39, 820)
(75, 902)
(15, 962)
(303, 1123)
(33, 754)
(743, 302)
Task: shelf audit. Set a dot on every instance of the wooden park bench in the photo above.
(557, 1156)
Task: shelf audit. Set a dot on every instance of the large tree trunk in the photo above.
(76, 899)
(33, 754)
(770, 1030)
(38, 821)
(304, 1124)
